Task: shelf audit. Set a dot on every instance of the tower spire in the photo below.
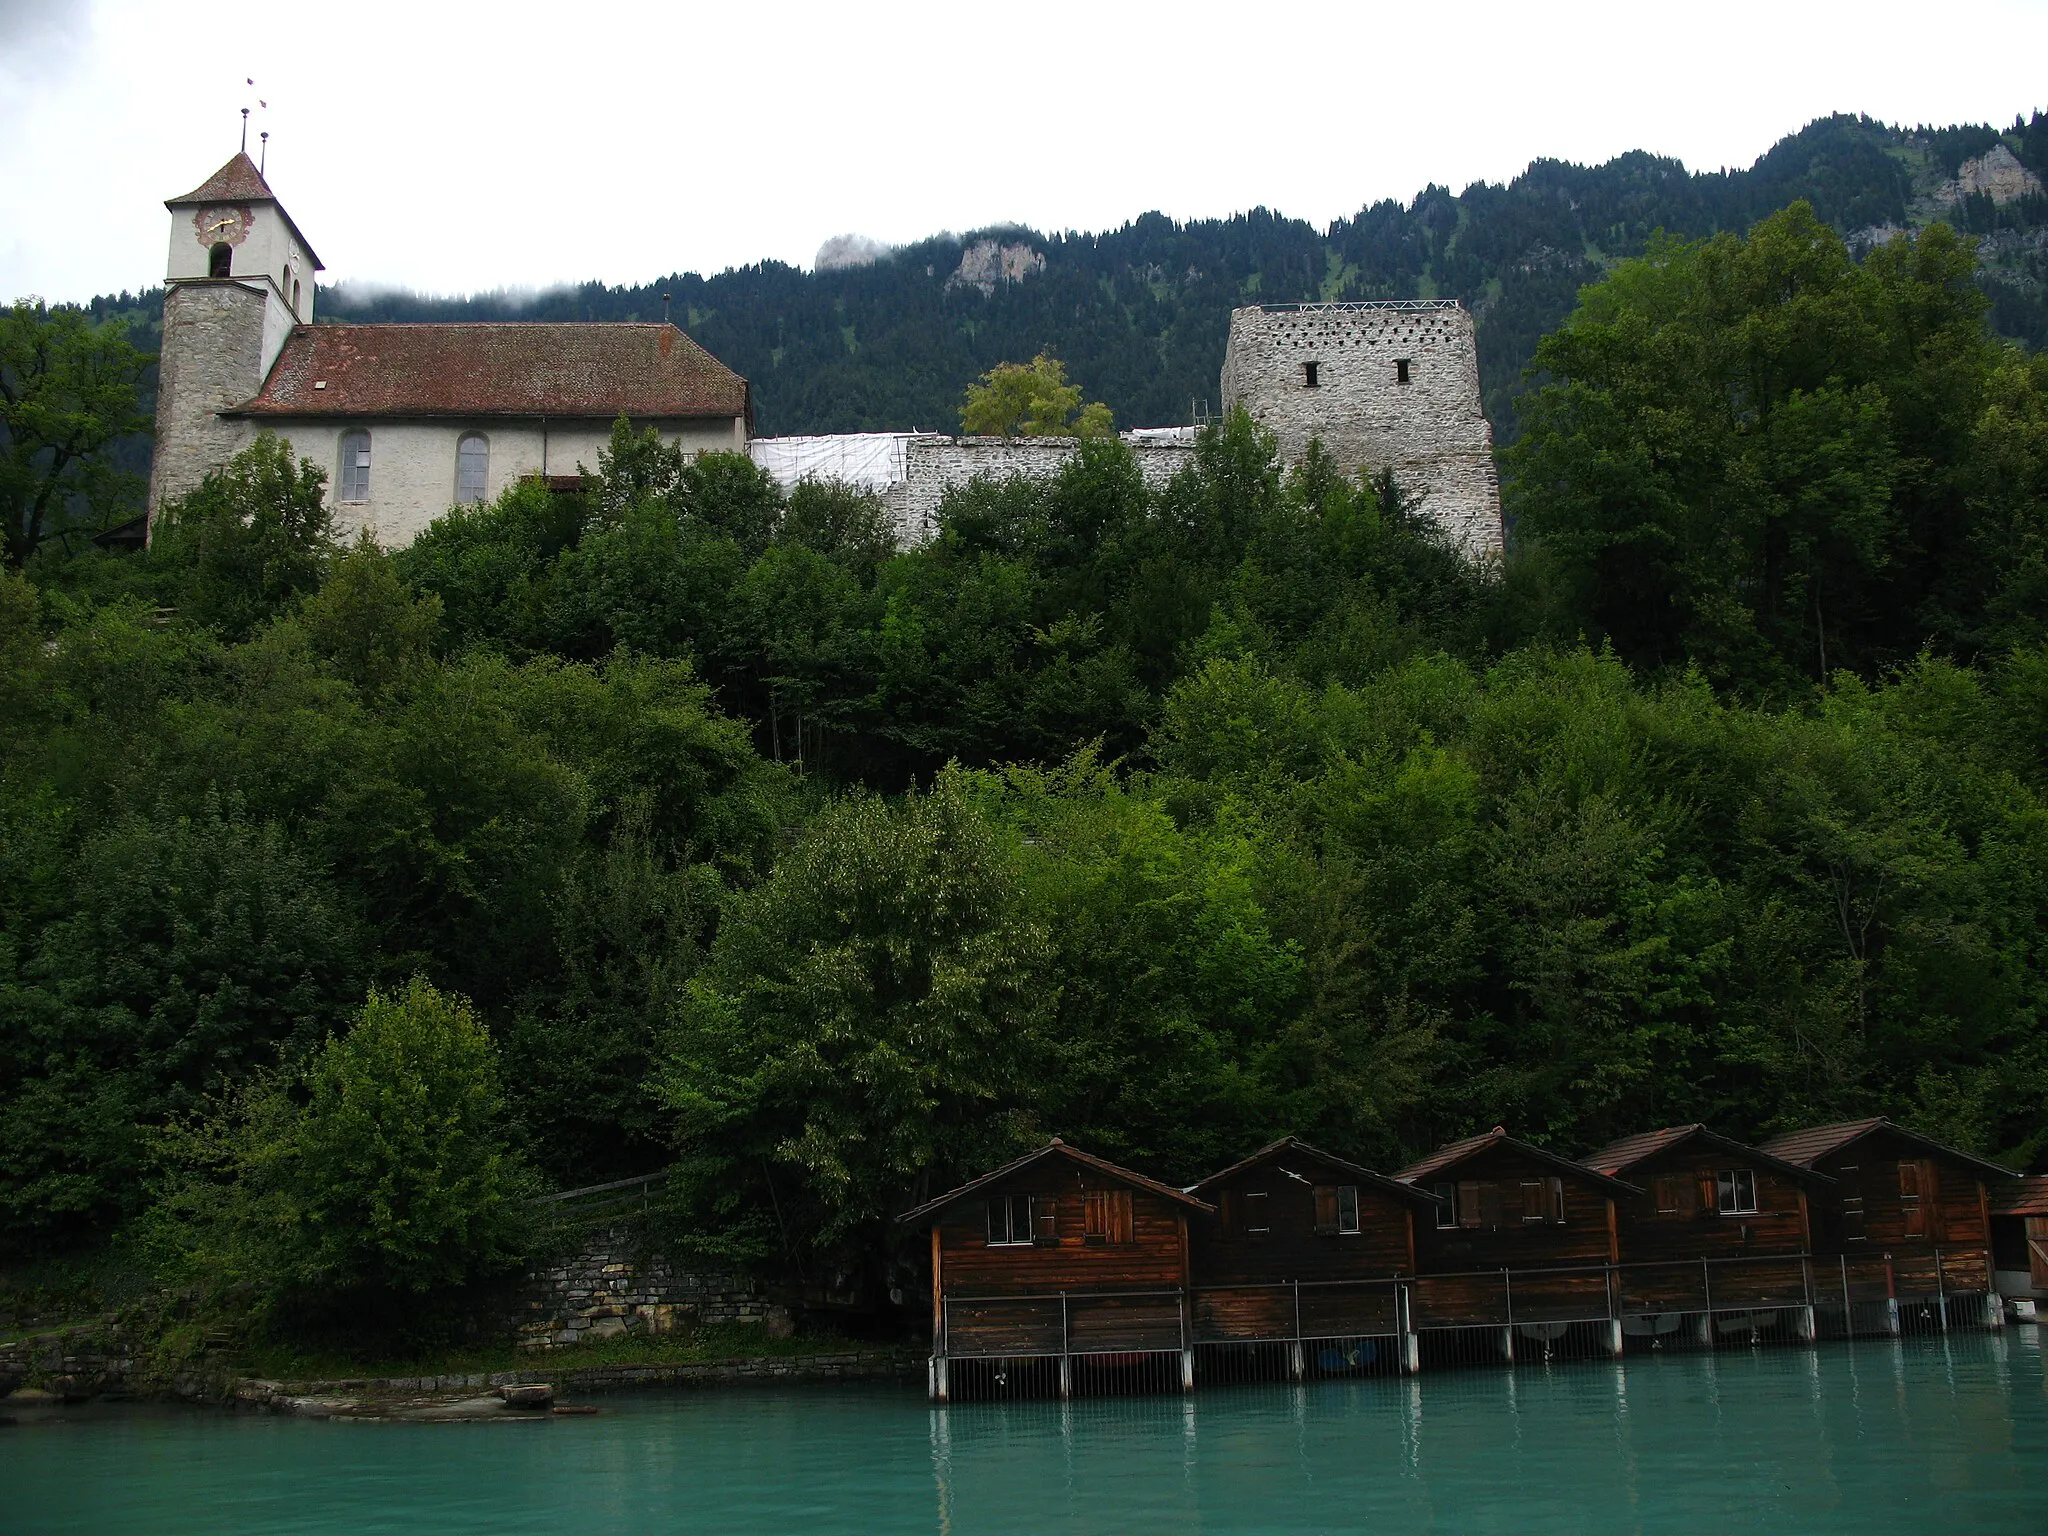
(245, 130)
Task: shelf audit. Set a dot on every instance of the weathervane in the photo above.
(263, 147)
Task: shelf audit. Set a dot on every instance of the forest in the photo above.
(348, 897)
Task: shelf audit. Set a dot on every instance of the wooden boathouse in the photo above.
(1062, 1272)
(1524, 1244)
(1060, 1261)
(1904, 1222)
(2019, 1241)
(1306, 1255)
(1718, 1237)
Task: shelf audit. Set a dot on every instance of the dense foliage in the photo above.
(1167, 821)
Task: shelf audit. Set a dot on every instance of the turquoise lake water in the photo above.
(1944, 1434)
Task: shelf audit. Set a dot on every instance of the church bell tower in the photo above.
(238, 280)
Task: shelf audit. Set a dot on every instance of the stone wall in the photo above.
(1384, 386)
(612, 1285)
(212, 358)
(934, 464)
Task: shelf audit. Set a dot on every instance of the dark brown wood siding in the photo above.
(1909, 1199)
(1503, 1237)
(1292, 1248)
(1154, 1258)
(1684, 1177)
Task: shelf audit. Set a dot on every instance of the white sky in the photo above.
(458, 148)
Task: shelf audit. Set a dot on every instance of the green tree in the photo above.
(1758, 455)
(1031, 399)
(69, 390)
(378, 1177)
(250, 541)
(857, 1036)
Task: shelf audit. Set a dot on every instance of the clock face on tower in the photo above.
(222, 226)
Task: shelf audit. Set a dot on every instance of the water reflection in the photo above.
(1872, 1437)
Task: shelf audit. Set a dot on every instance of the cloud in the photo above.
(36, 35)
(850, 251)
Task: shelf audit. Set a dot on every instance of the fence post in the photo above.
(938, 1383)
(1296, 1366)
(1940, 1292)
(1507, 1334)
(1187, 1345)
(1066, 1351)
(1613, 1314)
(1404, 1315)
(1891, 1297)
(1805, 1326)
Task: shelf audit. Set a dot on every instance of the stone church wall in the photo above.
(1336, 372)
(212, 359)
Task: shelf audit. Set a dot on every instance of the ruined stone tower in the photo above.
(1387, 385)
(238, 279)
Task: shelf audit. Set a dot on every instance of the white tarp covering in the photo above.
(873, 460)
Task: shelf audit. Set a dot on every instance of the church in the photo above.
(406, 419)
(409, 420)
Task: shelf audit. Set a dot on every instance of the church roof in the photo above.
(571, 369)
(240, 182)
(236, 182)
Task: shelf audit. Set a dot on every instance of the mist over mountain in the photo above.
(888, 339)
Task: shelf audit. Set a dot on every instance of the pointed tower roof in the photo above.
(240, 182)
(236, 182)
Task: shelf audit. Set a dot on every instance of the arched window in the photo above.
(472, 467)
(295, 295)
(219, 259)
(355, 466)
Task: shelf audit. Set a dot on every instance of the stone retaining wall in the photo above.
(613, 1286)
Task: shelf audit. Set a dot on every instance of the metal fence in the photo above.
(1074, 1343)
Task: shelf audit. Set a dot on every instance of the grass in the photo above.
(279, 1362)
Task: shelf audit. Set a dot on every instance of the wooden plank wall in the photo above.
(1155, 1258)
(1953, 1214)
(1585, 1237)
(1697, 1230)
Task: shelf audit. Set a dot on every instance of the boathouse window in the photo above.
(355, 466)
(1106, 1216)
(1400, 370)
(1309, 380)
(1735, 1192)
(1919, 1198)
(1850, 1182)
(1010, 1222)
(1543, 1201)
(472, 468)
(1336, 1209)
(220, 259)
(1446, 1205)
(1257, 1223)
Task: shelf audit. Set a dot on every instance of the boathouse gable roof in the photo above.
(1618, 1157)
(1286, 1144)
(1807, 1147)
(1453, 1153)
(2021, 1197)
(1056, 1149)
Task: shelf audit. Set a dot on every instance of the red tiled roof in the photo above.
(1454, 1152)
(1057, 1148)
(1617, 1157)
(646, 371)
(1295, 1144)
(236, 182)
(1806, 1147)
(2021, 1197)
